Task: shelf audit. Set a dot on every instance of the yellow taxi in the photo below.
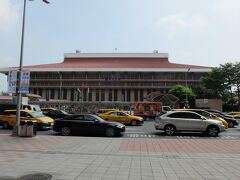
(101, 111)
(206, 115)
(236, 115)
(122, 117)
(8, 118)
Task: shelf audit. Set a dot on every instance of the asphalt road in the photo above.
(147, 130)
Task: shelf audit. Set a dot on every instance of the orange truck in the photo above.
(149, 110)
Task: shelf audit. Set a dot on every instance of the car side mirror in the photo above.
(96, 121)
(203, 118)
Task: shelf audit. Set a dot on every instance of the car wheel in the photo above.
(65, 131)
(170, 130)
(110, 132)
(133, 122)
(5, 125)
(212, 131)
(230, 125)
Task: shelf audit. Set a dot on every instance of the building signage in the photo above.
(12, 81)
(25, 82)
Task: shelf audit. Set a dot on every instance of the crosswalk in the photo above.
(144, 135)
(142, 132)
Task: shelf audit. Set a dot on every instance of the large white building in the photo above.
(104, 77)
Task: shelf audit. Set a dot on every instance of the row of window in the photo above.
(120, 84)
(118, 76)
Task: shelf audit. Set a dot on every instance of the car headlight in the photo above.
(120, 126)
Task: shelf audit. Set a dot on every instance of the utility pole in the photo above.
(16, 130)
(186, 84)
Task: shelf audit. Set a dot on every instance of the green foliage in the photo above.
(222, 82)
(185, 95)
(215, 83)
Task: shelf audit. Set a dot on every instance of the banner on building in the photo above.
(25, 82)
(12, 81)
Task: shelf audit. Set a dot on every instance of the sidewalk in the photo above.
(95, 158)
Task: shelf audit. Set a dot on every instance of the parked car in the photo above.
(8, 119)
(206, 115)
(56, 113)
(46, 110)
(122, 117)
(174, 121)
(87, 124)
(236, 115)
(100, 111)
(9, 106)
(230, 120)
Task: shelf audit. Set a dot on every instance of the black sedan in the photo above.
(56, 113)
(87, 124)
(230, 120)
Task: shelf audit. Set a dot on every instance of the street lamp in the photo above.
(19, 85)
(186, 84)
(60, 86)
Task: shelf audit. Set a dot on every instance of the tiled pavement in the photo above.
(95, 158)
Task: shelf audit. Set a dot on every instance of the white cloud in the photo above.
(172, 24)
(7, 61)
(8, 15)
(228, 5)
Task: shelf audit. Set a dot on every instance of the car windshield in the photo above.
(37, 114)
(36, 108)
(98, 118)
(64, 112)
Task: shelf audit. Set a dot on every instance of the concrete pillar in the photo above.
(132, 95)
(119, 95)
(93, 95)
(44, 93)
(69, 94)
(56, 94)
(106, 93)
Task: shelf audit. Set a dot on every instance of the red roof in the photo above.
(117, 62)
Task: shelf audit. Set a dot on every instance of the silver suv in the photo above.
(174, 121)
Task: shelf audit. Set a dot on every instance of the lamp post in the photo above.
(19, 85)
(60, 86)
(186, 84)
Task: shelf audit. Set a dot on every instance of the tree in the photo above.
(215, 82)
(231, 74)
(181, 92)
(222, 82)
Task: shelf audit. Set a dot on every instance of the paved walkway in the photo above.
(95, 158)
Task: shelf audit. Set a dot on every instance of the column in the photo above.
(56, 91)
(69, 94)
(106, 92)
(132, 95)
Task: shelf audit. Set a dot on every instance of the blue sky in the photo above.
(198, 32)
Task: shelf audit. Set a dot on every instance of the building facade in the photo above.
(110, 77)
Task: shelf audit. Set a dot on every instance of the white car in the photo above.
(174, 121)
